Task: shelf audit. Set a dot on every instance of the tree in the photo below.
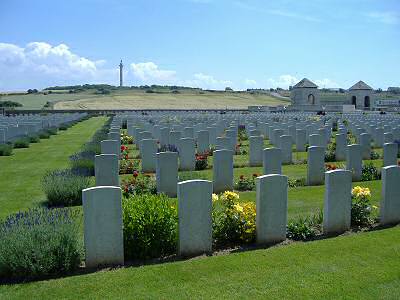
(32, 91)
(228, 89)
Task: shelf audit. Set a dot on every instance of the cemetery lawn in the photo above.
(361, 266)
(21, 173)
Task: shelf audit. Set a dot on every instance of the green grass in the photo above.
(363, 265)
(22, 172)
(357, 266)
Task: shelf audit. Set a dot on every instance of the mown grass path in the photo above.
(21, 173)
(356, 266)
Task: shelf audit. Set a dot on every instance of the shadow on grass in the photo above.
(218, 251)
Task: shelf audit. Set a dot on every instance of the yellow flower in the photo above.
(238, 207)
(231, 195)
(215, 197)
(374, 207)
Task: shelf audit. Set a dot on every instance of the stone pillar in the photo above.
(301, 140)
(390, 151)
(255, 151)
(102, 218)
(110, 147)
(365, 142)
(203, 141)
(315, 165)
(167, 173)
(337, 203)
(379, 137)
(354, 161)
(272, 205)
(212, 135)
(106, 170)
(223, 143)
(286, 147)
(149, 152)
(387, 137)
(222, 171)
(164, 136)
(316, 140)
(272, 161)
(187, 160)
(232, 136)
(188, 132)
(277, 134)
(195, 221)
(174, 137)
(341, 147)
(390, 203)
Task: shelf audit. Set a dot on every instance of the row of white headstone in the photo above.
(13, 127)
(103, 234)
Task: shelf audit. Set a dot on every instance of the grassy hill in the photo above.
(142, 98)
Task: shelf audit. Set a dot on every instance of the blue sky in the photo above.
(204, 43)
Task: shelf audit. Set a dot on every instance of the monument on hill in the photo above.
(121, 66)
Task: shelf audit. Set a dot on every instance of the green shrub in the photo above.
(246, 183)
(330, 152)
(21, 143)
(128, 166)
(38, 243)
(139, 184)
(63, 188)
(361, 208)
(82, 163)
(304, 228)
(34, 139)
(63, 127)
(6, 150)
(370, 172)
(52, 130)
(150, 226)
(375, 155)
(294, 183)
(233, 222)
(43, 134)
(201, 162)
(242, 134)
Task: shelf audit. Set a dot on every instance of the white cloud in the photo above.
(283, 81)
(207, 82)
(41, 64)
(149, 72)
(390, 18)
(289, 14)
(250, 83)
(326, 83)
(286, 13)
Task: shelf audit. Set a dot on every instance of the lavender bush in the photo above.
(39, 242)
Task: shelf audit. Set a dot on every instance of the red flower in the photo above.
(123, 148)
(135, 174)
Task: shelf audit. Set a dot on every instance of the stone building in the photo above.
(361, 95)
(305, 95)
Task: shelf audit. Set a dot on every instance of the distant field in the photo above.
(142, 100)
(138, 99)
(37, 101)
